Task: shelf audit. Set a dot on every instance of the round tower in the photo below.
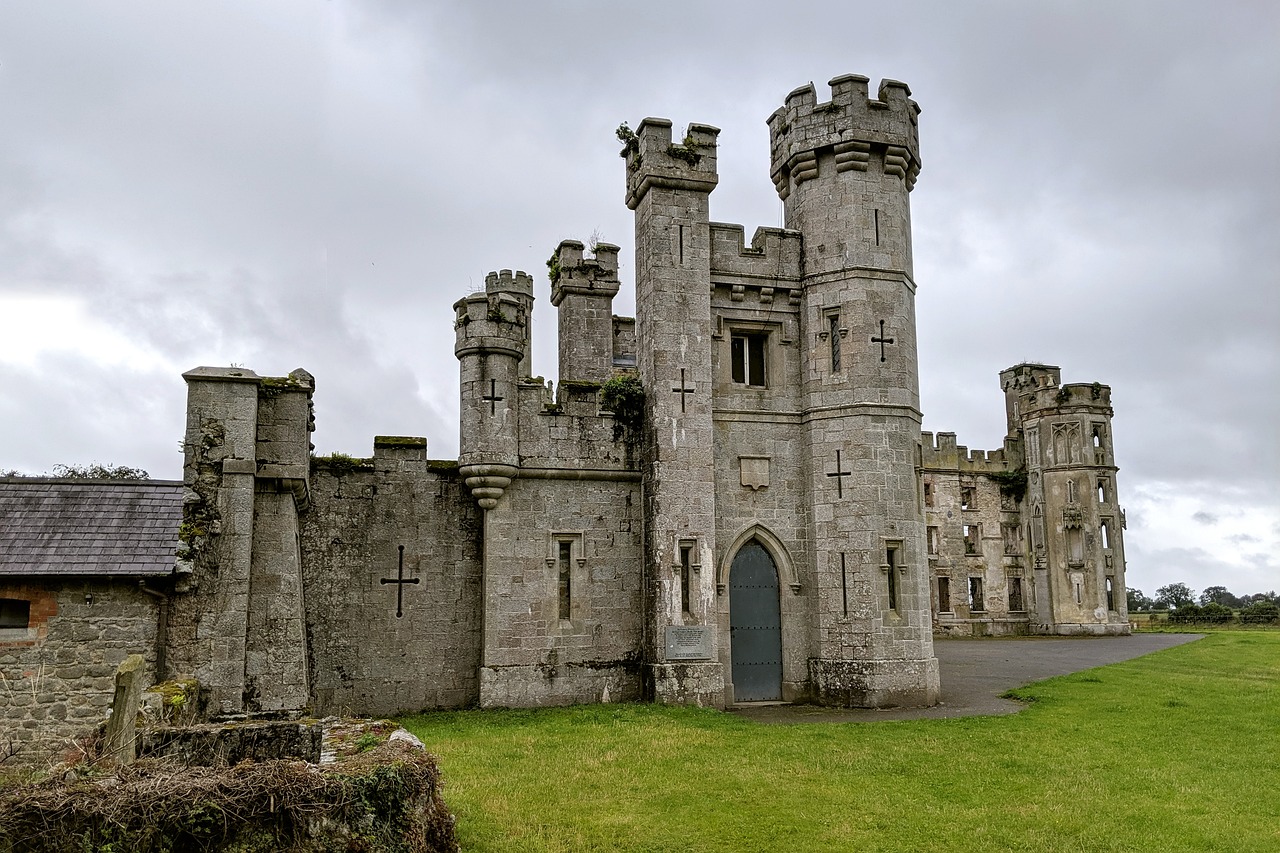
(844, 170)
(492, 345)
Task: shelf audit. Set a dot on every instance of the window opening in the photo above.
(967, 500)
(565, 585)
(1012, 539)
(1097, 437)
(891, 560)
(944, 595)
(928, 494)
(932, 538)
(14, 613)
(1075, 544)
(844, 585)
(833, 321)
(876, 217)
(747, 352)
(1015, 594)
(975, 595)
(1105, 530)
(1079, 595)
(1071, 491)
(1111, 593)
(686, 568)
(971, 538)
(1102, 491)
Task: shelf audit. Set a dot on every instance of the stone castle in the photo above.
(728, 498)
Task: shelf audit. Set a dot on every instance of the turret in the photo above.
(583, 290)
(844, 170)
(668, 186)
(492, 345)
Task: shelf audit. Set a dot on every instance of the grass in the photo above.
(1174, 751)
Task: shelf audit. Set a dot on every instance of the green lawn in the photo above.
(1175, 751)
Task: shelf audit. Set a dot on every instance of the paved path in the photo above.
(975, 672)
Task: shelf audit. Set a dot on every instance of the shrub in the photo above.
(1218, 613)
(1261, 612)
(1186, 613)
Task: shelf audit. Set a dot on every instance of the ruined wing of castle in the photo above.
(728, 498)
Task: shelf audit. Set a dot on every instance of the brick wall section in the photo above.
(59, 675)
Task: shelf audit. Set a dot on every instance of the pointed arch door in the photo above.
(755, 625)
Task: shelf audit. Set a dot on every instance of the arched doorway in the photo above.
(755, 625)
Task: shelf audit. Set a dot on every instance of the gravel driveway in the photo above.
(975, 672)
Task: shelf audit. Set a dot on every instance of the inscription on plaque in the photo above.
(688, 642)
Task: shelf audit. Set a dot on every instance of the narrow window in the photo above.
(967, 500)
(1037, 526)
(14, 613)
(1097, 436)
(932, 538)
(891, 560)
(1079, 594)
(747, 355)
(834, 322)
(1071, 491)
(566, 562)
(944, 595)
(686, 568)
(975, 595)
(844, 585)
(928, 493)
(1111, 593)
(876, 215)
(1102, 491)
(1015, 595)
(971, 538)
(1105, 529)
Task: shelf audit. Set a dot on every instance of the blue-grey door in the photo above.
(755, 626)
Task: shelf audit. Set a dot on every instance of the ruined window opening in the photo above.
(971, 535)
(976, 603)
(1097, 436)
(566, 573)
(1012, 539)
(944, 595)
(14, 613)
(928, 493)
(833, 321)
(1111, 593)
(967, 498)
(747, 355)
(1016, 603)
(932, 538)
(686, 569)
(1105, 529)
(891, 565)
(1102, 491)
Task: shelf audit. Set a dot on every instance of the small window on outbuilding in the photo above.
(14, 613)
(747, 355)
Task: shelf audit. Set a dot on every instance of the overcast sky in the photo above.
(313, 184)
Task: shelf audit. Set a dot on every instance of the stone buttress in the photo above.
(237, 619)
(844, 169)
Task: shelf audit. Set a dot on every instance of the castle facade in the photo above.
(727, 498)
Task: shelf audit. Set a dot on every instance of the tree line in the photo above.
(1214, 604)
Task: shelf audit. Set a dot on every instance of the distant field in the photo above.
(1175, 751)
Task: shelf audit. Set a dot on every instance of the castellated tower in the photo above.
(844, 170)
(1075, 521)
(668, 186)
(582, 290)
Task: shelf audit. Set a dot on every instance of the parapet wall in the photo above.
(942, 453)
(850, 123)
(772, 258)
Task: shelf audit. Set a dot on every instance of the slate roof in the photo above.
(88, 527)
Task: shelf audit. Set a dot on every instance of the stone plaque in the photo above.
(754, 471)
(688, 642)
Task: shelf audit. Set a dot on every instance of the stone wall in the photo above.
(364, 658)
(57, 676)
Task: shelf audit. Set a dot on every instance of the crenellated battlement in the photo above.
(496, 320)
(774, 254)
(851, 124)
(571, 272)
(655, 160)
(942, 452)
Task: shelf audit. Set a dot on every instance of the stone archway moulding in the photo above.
(781, 557)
